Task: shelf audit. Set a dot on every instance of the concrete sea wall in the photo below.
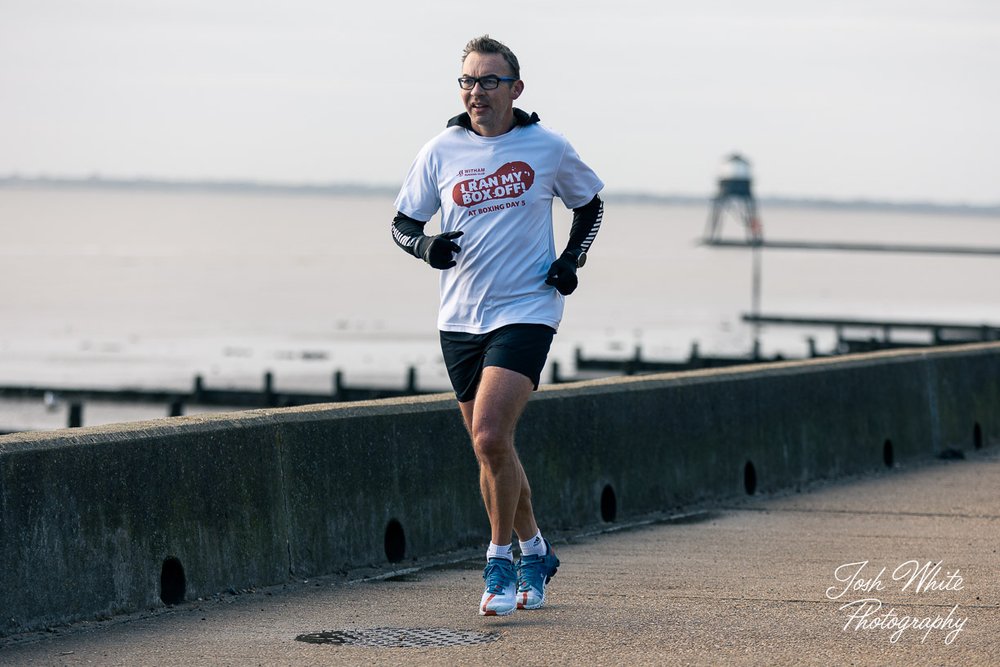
(105, 520)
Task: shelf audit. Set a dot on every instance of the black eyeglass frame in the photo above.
(482, 80)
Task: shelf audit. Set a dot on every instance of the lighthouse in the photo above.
(734, 199)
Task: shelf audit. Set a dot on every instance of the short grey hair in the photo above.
(487, 44)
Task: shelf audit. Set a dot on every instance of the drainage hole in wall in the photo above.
(395, 541)
(172, 581)
(750, 478)
(887, 455)
(609, 504)
(977, 436)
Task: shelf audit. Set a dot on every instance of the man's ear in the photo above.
(516, 89)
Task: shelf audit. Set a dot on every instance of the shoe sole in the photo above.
(523, 603)
(493, 612)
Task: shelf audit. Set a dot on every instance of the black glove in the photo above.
(438, 250)
(562, 275)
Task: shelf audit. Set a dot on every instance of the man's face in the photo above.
(491, 111)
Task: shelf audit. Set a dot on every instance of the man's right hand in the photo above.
(439, 251)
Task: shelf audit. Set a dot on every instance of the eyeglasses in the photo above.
(488, 82)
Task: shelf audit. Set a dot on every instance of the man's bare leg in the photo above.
(491, 418)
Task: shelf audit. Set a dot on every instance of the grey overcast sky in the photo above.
(885, 99)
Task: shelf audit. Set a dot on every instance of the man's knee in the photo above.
(493, 446)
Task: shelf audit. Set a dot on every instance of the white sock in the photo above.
(533, 547)
(498, 551)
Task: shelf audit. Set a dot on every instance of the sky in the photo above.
(894, 100)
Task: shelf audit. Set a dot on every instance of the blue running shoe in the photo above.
(501, 588)
(533, 573)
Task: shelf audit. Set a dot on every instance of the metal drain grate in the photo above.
(399, 637)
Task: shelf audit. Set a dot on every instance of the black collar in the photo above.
(520, 118)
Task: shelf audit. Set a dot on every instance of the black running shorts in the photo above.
(521, 348)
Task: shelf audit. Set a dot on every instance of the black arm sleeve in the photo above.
(586, 223)
(409, 234)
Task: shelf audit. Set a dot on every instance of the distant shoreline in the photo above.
(366, 190)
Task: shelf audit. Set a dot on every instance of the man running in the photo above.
(493, 173)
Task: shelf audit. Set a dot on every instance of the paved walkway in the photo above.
(746, 584)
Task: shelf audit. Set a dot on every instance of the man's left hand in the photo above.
(562, 275)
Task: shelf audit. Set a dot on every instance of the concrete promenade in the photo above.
(759, 581)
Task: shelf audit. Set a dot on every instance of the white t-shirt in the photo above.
(498, 191)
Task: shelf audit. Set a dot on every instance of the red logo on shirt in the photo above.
(508, 182)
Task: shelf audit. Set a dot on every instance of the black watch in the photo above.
(578, 256)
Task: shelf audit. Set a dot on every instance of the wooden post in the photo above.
(75, 414)
(269, 398)
(694, 357)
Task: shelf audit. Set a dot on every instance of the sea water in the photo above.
(112, 288)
